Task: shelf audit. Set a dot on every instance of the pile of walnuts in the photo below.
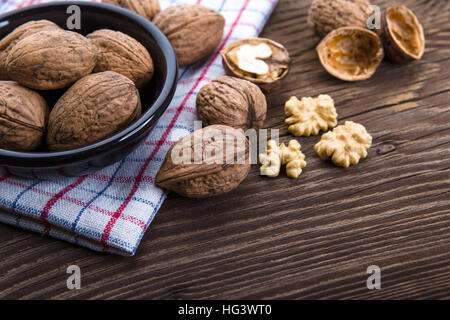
(39, 55)
(101, 74)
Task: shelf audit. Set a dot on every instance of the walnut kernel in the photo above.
(290, 155)
(310, 115)
(346, 144)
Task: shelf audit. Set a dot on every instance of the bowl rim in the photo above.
(52, 158)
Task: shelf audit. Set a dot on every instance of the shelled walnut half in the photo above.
(259, 60)
(345, 145)
(310, 115)
(351, 53)
(275, 156)
(402, 35)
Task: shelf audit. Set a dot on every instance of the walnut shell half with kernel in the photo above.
(146, 8)
(208, 162)
(193, 30)
(96, 107)
(351, 53)
(21, 32)
(327, 15)
(123, 54)
(233, 102)
(402, 35)
(23, 117)
(261, 61)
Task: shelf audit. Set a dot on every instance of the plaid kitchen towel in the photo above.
(111, 209)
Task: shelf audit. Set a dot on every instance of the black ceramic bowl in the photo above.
(155, 96)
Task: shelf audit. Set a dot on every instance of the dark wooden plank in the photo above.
(308, 238)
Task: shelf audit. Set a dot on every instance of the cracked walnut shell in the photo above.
(346, 144)
(123, 54)
(350, 53)
(146, 8)
(310, 115)
(258, 60)
(21, 32)
(402, 35)
(231, 101)
(193, 30)
(327, 15)
(51, 59)
(208, 162)
(95, 107)
(23, 117)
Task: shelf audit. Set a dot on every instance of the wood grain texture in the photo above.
(308, 238)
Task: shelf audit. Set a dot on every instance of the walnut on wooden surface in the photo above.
(345, 145)
(310, 115)
(123, 54)
(327, 15)
(23, 117)
(95, 107)
(51, 59)
(351, 53)
(293, 158)
(258, 60)
(290, 155)
(208, 162)
(402, 35)
(21, 32)
(193, 30)
(231, 101)
(146, 8)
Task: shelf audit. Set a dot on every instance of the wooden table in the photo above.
(308, 238)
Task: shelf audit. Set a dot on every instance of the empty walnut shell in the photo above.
(278, 63)
(51, 59)
(193, 30)
(231, 101)
(350, 53)
(21, 32)
(402, 35)
(146, 8)
(208, 162)
(23, 117)
(327, 15)
(94, 108)
(121, 53)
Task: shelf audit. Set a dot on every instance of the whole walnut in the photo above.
(208, 162)
(121, 53)
(146, 8)
(231, 101)
(193, 30)
(21, 32)
(51, 59)
(23, 117)
(94, 108)
(327, 15)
